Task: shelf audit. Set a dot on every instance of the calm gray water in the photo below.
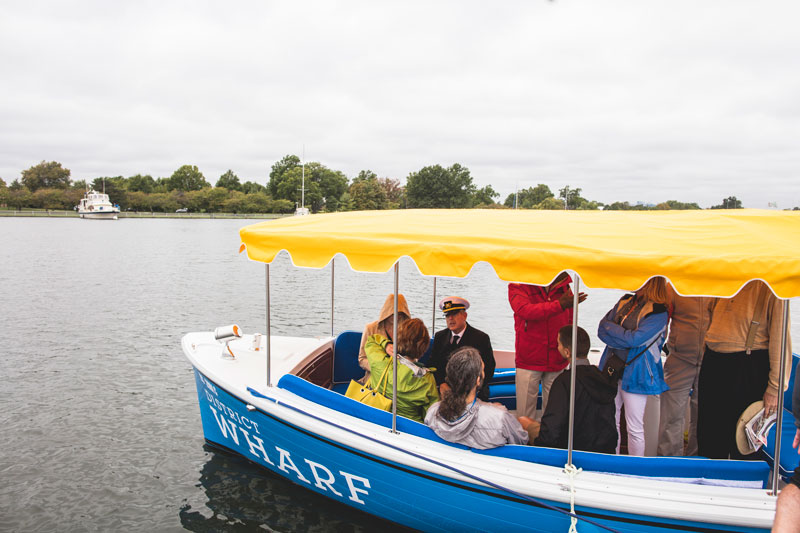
(100, 424)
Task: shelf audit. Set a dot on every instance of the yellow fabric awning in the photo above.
(711, 252)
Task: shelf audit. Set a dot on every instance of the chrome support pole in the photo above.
(576, 289)
(433, 318)
(394, 350)
(269, 351)
(333, 272)
(776, 469)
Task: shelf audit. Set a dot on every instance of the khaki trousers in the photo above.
(683, 378)
(527, 385)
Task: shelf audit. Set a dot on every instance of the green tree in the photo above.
(15, 186)
(187, 178)
(484, 197)
(235, 203)
(18, 197)
(731, 202)
(280, 168)
(323, 186)
(229, 181)
(550, 202)
(571, 196)
(674, 204)
(530, 197)
(49, 199)
(436, 186)
(249, 187)
(282, 206)
(3, 193)
(115, 188)
(46, 175)
(258, 202)
(139, 183)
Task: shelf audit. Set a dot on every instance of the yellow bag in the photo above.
(365, 394)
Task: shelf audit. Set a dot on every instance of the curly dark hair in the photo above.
(463, 370)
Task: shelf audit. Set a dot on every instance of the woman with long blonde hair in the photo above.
(634, 331)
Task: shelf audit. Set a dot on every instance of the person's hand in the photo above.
(796, 442)
(770, 403)
(566, 299)
(390, 349)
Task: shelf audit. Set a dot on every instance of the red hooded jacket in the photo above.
(537, 318)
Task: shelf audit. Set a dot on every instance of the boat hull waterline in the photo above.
(396, 492)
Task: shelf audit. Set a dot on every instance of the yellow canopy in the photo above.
(709, 253)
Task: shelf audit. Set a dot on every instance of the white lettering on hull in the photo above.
(324, 479)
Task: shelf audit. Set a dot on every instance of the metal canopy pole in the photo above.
(433, 318)
(333, 270)
(576, 286)
(269, 351)
(394, 350)
(776, 469)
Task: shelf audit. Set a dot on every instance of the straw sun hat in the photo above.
(741, 437)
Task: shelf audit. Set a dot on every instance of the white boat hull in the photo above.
(98, 215)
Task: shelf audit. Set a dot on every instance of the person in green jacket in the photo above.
(416, 384)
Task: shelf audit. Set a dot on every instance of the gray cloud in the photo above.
(647, 101)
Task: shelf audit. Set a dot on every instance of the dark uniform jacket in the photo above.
(471, 337)
(595, 423)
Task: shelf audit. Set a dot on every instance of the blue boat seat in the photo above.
(789, 459)
(504, 375)
(345, 367)
(686, 469)
(345, 358)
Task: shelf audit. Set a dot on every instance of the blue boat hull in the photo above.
(390, 490)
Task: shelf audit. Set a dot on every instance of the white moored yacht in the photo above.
(97, 205)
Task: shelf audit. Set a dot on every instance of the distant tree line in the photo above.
(48, 185)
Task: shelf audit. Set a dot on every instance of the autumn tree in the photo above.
(366, 192)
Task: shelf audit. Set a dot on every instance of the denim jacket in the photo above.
(645, 375)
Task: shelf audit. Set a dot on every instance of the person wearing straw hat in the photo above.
(459, 333)
(740, 366)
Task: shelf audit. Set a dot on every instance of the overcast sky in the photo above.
(629, 100)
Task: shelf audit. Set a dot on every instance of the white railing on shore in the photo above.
(134, 214)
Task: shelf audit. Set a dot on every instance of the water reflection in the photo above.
(243, 496)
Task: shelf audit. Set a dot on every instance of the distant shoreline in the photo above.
(52, 213)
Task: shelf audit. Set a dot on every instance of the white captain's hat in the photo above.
(453, 304)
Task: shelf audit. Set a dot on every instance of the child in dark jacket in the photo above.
(595, 425)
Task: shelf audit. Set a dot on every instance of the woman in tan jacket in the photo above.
(383, 326)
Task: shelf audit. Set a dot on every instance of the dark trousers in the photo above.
(729, 382)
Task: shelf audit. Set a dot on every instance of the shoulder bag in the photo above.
(615, 365)
(365, 394)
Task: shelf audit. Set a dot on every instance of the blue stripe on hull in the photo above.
(389, 490)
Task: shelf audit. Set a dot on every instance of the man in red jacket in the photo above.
(539, 312)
